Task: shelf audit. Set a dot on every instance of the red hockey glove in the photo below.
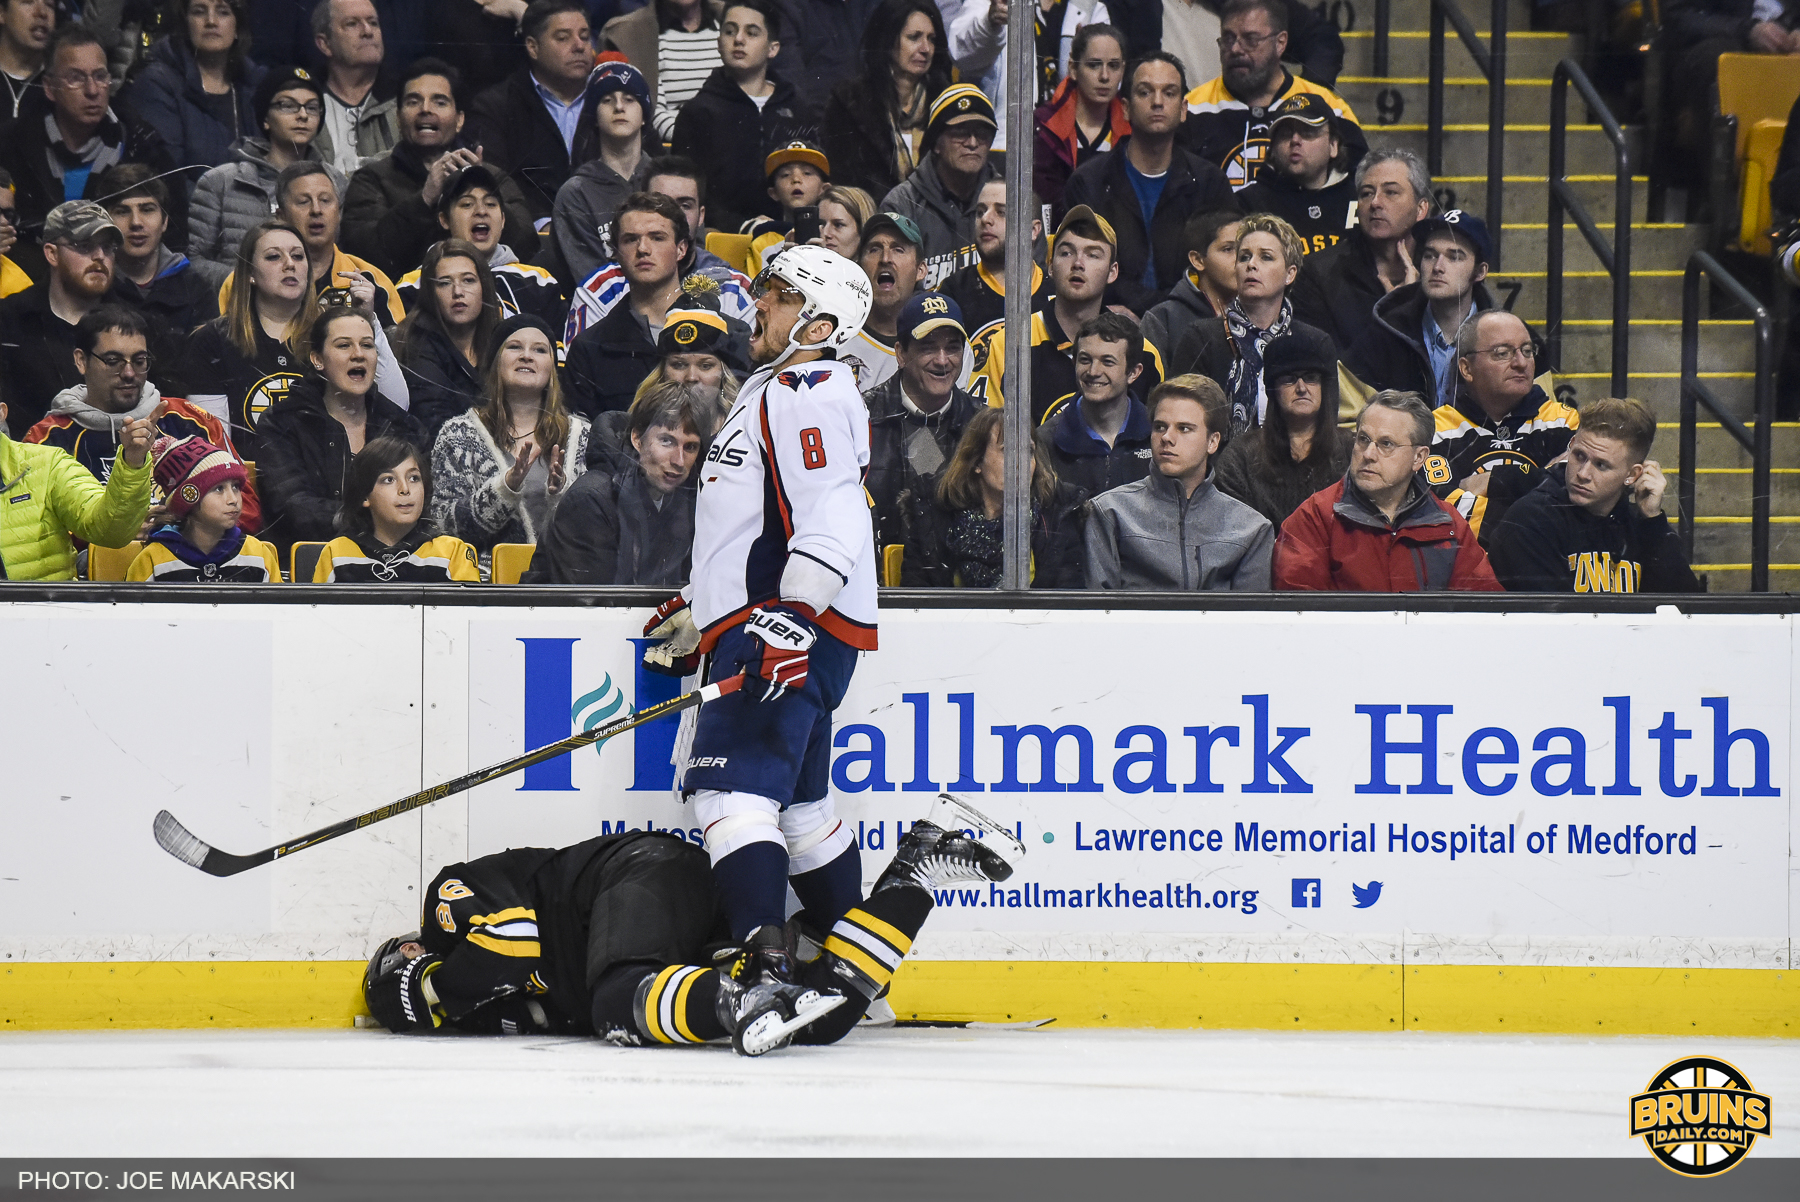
(787, 636)
(673, 623)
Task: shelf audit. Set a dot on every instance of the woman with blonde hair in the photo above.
(953, 537)
(1229, 349)
(843, 211)
(501, 468)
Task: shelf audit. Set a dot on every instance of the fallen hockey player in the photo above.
(624, 937)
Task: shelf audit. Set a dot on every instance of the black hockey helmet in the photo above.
(381, 982)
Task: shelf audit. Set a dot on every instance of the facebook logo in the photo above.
(1307, 893)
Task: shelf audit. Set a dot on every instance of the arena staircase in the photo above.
(1394, 113)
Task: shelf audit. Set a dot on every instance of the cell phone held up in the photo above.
(806, 224)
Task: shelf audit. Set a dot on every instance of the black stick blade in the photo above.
(187, 847)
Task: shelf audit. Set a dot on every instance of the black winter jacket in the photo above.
(211, 365)
(899, 463)
(1546, 544)
(1192, 185)
(168, 97)
(722, 129)
(607, 362)
(857, 135)
(1275, 490)
(175, 301)
(387, 221)
(439, 380)
(1393, 354)
(610, 529)
(934, 559)
(305, 458)
(25, 154)
(517, 135)
(821, 45)
(37, 357)
(1337, 290)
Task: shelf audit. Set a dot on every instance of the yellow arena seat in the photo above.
(302, 559)
(511, 561)
(892, 556)
(111, 563)
(733, 248)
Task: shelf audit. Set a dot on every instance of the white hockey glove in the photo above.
(673, 623)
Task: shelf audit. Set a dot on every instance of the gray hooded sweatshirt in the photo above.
(1147, 536)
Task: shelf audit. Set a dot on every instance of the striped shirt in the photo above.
(683, 61)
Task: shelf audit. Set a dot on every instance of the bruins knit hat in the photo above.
(189, 468)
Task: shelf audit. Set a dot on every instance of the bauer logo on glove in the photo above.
(787, 636)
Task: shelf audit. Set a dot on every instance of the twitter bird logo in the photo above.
(1366, 895)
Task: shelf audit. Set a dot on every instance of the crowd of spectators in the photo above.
(408, 281)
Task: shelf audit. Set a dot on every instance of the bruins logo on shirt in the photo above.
(272, 389)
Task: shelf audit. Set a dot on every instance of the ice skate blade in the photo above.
(953, 813)
(770, 1031)
(879, 1014)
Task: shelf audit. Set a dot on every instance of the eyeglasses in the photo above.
(968, 131)
(80, 81)
(1313, 379)
(1504, 355)
(287, 108)
(1249, 41)
(90, 248)
(139, 362)
(1383, 447)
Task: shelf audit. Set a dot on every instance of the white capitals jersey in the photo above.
(784, 478)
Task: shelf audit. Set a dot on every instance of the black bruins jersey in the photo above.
(1513, 452)
(512, 931)
(424, 558)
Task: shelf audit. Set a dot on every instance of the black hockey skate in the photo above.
(937, 852)
(758, 1001)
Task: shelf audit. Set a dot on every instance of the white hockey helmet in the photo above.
(833, 286)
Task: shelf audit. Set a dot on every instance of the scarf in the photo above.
(1244, 381)
(92, 158)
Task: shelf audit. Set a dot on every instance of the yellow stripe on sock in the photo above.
(652, 1000)
(887, 931)
(873, 968)
(681, 998)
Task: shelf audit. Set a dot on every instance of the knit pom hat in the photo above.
(694, 325)
(189, 468)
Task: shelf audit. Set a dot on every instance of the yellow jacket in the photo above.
(45, 497)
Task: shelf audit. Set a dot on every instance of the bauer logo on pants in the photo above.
(1700, 1116)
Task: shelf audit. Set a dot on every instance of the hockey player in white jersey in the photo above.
(782, 589)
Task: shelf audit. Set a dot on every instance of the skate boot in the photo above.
(936, 852)
(758, 1001)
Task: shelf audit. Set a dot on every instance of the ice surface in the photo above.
(903, 1091)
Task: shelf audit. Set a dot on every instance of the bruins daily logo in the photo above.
(1700, 1116)
(272, 389)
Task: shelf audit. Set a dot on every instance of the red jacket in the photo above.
(1337, 541)
(1054, 161)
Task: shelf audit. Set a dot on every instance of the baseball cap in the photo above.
(475, 175)
(797, 152)
(1305, 108)
(1463, 224)
(76, 221)
(899, 223)
(1085, 214)
(955, 105)
(924, 312)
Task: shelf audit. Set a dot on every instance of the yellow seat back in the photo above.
(733, 248)
(111, 563)
(511, 560)
(1757, 87)
(892, 556)
(1754, 174)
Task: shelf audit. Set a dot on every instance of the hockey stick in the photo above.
(179, 842)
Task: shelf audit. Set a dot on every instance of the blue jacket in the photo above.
(166, 95)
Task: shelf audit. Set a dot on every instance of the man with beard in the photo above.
(37, 326)
(1304, 182)
(979, 289)
(1229, 117)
